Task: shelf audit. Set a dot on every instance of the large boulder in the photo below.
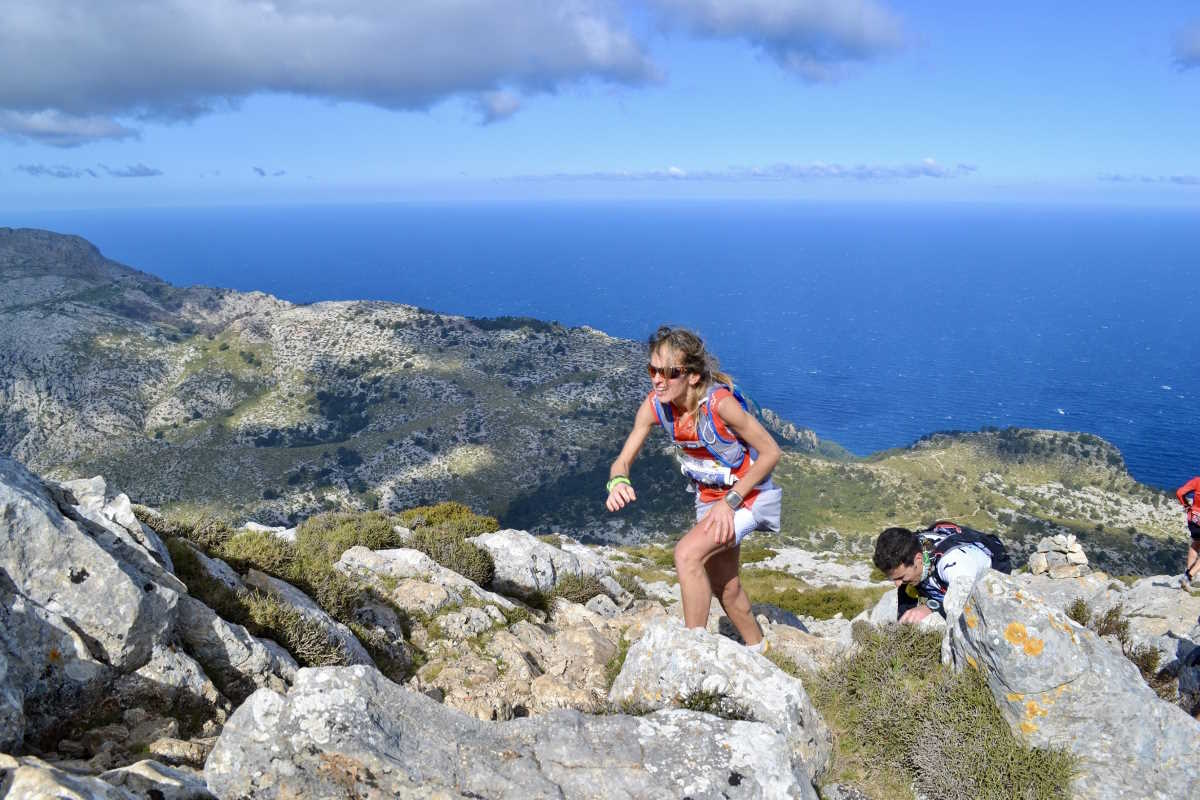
(1059, 685)
(349, 732)
(104, 583)
(91, 498)
(670, 662)
(527, 567)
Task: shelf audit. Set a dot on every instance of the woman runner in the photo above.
(727, 454)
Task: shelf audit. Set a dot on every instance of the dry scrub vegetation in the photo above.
(903, 723)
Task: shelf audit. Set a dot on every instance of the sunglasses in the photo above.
(670, 373)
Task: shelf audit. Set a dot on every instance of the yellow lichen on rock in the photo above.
(1016, 634)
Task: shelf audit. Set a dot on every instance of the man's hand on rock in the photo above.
(915, 615)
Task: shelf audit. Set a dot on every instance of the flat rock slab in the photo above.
(349, 732)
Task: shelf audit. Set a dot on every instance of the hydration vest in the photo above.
(715, 457)
(940, 538)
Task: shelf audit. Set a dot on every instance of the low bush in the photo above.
(902, 721)
(260, 550)
(451, 516)
(305, 639)
(577, 588)
(715, 703)
(448, 547)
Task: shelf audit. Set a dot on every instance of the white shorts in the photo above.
(763, 515)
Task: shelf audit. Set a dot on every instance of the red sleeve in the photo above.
(1191, 487)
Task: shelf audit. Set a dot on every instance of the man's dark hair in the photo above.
(896, 547)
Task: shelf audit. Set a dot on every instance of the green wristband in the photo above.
(617, 480)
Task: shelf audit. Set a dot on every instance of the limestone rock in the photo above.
(92, 500)
(151, 779)
(671, 662)
(347, 731)
(174, 683)
(106, 584)
(237, 662)
(1059, 686)
(337, 633)
(12, 694)
(526, 566)
(32, 778)
(400, 564)
(1060, 556)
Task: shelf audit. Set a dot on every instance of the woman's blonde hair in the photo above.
(693, 356)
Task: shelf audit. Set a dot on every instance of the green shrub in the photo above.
(902, 721)
(577, 588)
(626, 582)
(261, 550)
(452, 516)
(205, 530)
(329, 535)
(1079, 611)
(446, 546)
(1146, 658)
(715, 703)
(305, 639)
(658, 555)
(756, 552)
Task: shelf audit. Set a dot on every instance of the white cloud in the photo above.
(83, 65)
(53, 127)
(496, 106)
(816, 171)
(816, 39)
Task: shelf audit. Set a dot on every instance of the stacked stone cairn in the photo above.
(1059, 556)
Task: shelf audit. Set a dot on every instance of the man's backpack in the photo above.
(945, 535)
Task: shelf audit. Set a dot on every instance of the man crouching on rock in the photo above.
(944, 559)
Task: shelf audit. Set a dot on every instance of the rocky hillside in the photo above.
(253, 408)
(260, 408)
(428, 655)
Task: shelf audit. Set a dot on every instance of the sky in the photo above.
(132, 103)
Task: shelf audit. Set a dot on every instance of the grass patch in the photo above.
(440, 532)
(626, 582)
(893, 688)
(613, 668)
(658, 555)
(756, 552)
(715, 703)
(782, 589)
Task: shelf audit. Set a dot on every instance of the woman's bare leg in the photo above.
(705, 567)
(722, 568)
(694, 589)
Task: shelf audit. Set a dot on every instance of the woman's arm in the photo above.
(622, 494)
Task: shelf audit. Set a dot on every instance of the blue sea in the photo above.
(872, 325)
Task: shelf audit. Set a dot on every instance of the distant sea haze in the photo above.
(871, 325)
